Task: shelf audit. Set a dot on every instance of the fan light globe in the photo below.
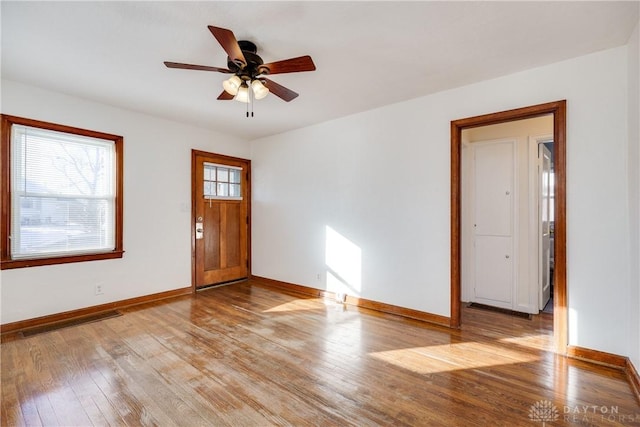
(243, 93)
(232, 85)
(259, 90)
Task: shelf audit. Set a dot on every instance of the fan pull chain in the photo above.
(251, 98)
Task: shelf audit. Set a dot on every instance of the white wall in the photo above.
(526, 290)
(157, 204)
(382, 180)
(634, 194)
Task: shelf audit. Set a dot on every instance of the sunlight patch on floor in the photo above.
(452, 357)
(537, 342)
(295, 305)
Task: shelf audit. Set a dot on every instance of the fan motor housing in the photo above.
(254, 62)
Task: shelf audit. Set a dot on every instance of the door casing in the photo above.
(558, 110)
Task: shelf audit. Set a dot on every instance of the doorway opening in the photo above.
(558, 111)
(507, 210)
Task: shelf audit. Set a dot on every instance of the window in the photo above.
(222, 182)
(61, 194)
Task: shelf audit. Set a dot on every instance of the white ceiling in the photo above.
(368, 54)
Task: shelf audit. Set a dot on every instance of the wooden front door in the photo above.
(220, 223)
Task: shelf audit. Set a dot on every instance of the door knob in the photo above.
(199, 230)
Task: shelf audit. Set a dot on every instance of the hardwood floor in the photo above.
(243, 355)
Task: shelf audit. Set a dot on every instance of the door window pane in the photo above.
(222, 182)
(223, 175)
(223, 189)
(234, 190)
(235, 176)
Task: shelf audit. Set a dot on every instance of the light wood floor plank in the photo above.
(244, 355)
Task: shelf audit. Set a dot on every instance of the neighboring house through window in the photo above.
(61, 194)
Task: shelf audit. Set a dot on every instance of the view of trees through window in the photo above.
(62, 191)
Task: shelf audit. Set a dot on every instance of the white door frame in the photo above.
(534, 194)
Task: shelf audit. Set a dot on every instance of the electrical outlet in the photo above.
(99, 290)
(318, 277)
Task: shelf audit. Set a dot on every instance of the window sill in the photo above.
(36, 262)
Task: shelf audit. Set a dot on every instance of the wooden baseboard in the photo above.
(423, 316)
(290, 287)
(358, 302)
(595, 356)
(634, 378)
(608, 359)
(89, 311)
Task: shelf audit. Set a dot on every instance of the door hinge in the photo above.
(247, 220)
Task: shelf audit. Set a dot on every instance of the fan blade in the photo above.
(196, 67)
(279, 90)
(224, 96)
(293, 65)
(229, 43)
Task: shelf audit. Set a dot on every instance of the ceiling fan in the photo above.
(248, 69)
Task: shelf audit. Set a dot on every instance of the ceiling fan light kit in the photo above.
(248, 69)
(259, 90)
(243, 93)
(239, 89)
(232, 85)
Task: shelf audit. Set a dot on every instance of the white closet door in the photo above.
(493, 223)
